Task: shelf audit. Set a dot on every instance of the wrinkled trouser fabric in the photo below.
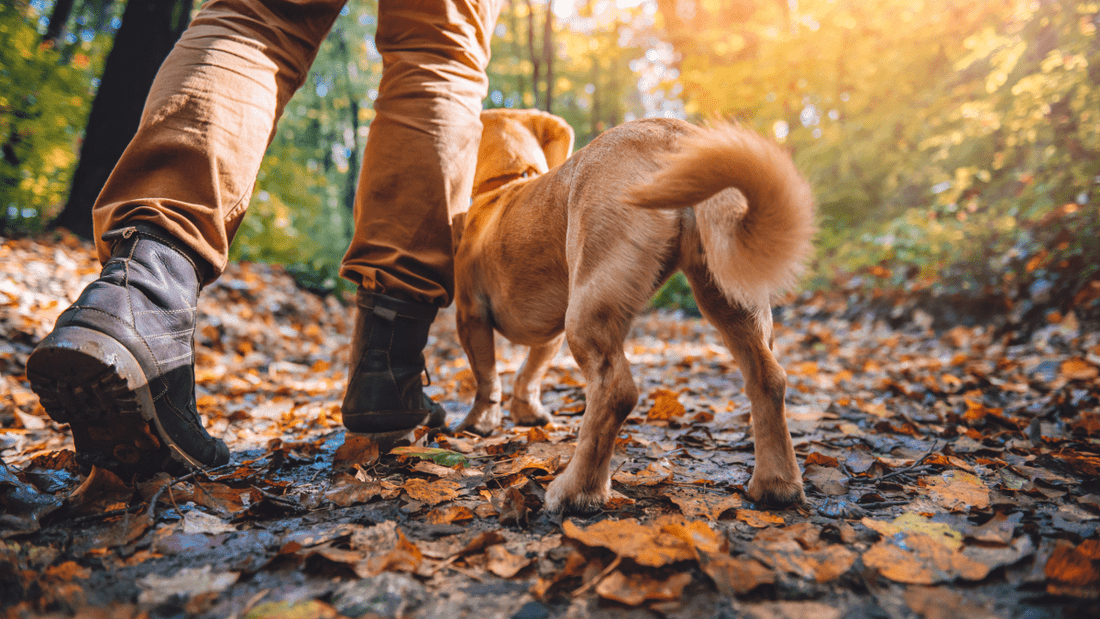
(213, 107)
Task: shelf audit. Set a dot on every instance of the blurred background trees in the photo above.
(953, 145)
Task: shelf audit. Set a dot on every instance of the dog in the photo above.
(557, 247)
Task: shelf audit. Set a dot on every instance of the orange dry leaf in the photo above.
(404, 557)
(432, 493)
(537, 435)
(652, 475)
(1071, 572)
(636, 589)
(347, 490)
(357, 449)
(821, 460)
(915, 523)
(758, 519)
(694, 503)
(735, 576)
(921, 560)
(449, 514)
(503, 563)
(666, 405)
(1078, 369)
(650, 545)
(957, 491)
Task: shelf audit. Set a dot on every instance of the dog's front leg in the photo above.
(526, 404)
(476, 335)
(611, 394)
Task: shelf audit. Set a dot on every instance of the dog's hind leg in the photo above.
(526, 404)
(476, 335)
(595, 331)
(747, 333)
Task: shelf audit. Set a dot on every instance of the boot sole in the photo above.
(90, 381)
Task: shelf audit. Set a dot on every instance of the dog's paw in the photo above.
(528, 413)
(564, 494)
(481, 421)
(775, 492)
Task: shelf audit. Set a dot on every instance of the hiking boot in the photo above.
(119, 366)
(385, 397)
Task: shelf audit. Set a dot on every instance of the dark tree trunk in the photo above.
(521, 83)
(59, 16)
(149, 30)
(548, 53)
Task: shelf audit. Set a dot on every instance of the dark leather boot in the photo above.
(385, 396)
(119, 366)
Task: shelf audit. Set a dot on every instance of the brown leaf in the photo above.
(921, 560)
(666, 406)
(694, 503)
(357, 449)
(101, 491)
(432, 493)
(503, 563)
(449, 514)
(821, 460)
(957, 491)
(348, 490)
(511, 504)
(404, 557)
(758, 519)
(1070, 571)
(829, 481)
(651, 545)
(652, 475)
(637, 589)
(735, 576)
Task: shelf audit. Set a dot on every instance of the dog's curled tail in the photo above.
(754, 245)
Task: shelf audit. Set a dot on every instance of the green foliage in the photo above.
(45, 96)
(676, 294)
(937, 133)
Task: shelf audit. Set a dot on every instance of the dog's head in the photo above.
(519, 143)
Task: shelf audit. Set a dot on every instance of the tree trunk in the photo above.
(149, 30)
(59, 16)
(531, 52)
(548, 53)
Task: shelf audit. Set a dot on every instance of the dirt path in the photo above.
(949, 474)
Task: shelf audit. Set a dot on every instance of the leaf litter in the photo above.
(948, 473)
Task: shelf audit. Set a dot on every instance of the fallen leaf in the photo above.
(791, 610)
(694, 503)
(185, 582)
(503, 563)
(957, 491)
(442, 457)
(196, 521)
(652, 475)
(829, 481)
(1071, 572)
(735, 576)
(648, 545)
(449, 514)
(758, 519)
(434, 492)
(821, 460)
(666, 406)
(305, 609)
(403, 557)
(347, 490)
(915, 523)
(356, 449)
(636, 589)
(918, 559)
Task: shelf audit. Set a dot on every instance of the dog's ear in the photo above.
(553, 133)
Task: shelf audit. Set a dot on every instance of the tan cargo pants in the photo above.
(214, 105)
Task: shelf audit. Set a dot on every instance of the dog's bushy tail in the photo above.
(756, 243)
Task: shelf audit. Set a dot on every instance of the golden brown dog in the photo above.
(575, 251)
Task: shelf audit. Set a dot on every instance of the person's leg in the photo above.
(119, 364)
(417, 175)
